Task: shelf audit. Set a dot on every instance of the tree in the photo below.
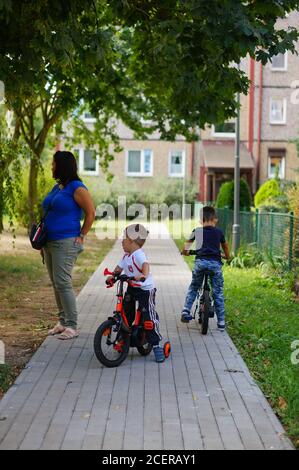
(184, 53)
(54, 55)
(12, 152)
(166, 61)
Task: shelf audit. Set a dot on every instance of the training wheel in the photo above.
(167, 349)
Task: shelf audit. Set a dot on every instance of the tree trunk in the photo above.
(1, 204)
(1, 197)
(32, 191)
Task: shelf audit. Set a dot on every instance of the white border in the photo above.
(88, 120)
(177, 175)
(283, 168)
(281, 69)
(81, 164)
(284, 119)
(141, 174)
(223, 134)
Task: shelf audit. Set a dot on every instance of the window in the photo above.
(276, 163)
(225, 129)
(139, 163)
(88, 162)
(279, 63)
(278, 110)
(177, 163)
(87, 117)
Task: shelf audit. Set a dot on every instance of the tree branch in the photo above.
(17, 131)
(24, 133)
(42, 136)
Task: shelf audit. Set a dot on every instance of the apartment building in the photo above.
(269, 124)
(141, 161)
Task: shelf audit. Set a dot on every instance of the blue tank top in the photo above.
(63, 218)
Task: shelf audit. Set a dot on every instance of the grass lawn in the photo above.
(27, 304)
(263, 321)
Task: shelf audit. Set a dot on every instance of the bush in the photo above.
(293, 197)
(163, 190)
(226, 195)
(247, 258)
(272, 196)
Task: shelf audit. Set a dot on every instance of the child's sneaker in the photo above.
(186, 317)
(221, 326)
(159, 354)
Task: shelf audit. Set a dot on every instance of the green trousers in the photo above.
(60, 257)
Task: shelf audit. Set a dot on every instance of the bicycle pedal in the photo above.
(119, 346)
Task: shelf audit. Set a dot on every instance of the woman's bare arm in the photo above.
(83, 199)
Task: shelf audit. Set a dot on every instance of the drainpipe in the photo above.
(259, 125)
(202, 185)
(251, 106)
(192, 159)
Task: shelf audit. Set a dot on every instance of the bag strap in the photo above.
(48, 210)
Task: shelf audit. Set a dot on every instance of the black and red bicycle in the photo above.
(115, 336)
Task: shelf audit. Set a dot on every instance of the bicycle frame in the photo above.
(205, 286)
(117, 330)
(119, 309)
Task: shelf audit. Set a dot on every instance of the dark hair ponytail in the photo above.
(65, 167)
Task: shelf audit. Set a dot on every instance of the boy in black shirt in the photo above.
(208, 240)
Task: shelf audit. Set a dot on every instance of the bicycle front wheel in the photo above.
(111, 344)
(205, 313)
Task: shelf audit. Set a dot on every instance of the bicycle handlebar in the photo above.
(119, 277)
(193, 252)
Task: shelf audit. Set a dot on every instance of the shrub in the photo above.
(226, 195)
(293, 196)
(161, 191)
(247, 258)
(272, 196)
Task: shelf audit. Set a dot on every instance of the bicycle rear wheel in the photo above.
(195, 310)
(145, 349)
(205, 313)
(111, 344)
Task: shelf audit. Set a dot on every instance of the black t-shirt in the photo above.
(208, 240)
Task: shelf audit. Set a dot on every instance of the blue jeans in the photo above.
(217, 285)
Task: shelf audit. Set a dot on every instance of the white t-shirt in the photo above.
(132, 266)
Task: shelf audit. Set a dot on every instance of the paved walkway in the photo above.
(201, 398)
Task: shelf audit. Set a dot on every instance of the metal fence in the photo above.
(273, 233)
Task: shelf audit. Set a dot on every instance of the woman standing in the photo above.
(63, 207)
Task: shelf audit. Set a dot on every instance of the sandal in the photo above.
(59, 328)
(69, 333)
